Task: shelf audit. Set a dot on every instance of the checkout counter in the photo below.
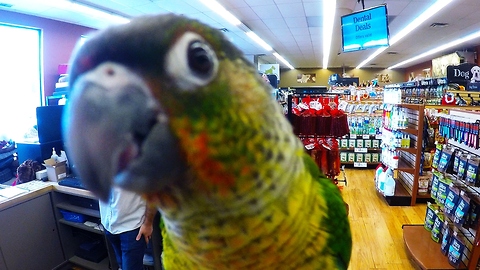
(38, 233)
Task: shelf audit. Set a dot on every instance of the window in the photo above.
(20, 80)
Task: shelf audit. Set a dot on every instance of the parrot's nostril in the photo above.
(110, 72)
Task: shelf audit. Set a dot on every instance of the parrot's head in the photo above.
(162, 104)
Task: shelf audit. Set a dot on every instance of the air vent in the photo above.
(224, 30)
(433, 25)
(392, 53)
(6, 5)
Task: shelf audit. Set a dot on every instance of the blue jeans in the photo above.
(128, 251)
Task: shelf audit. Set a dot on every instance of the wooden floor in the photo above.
(376, 226)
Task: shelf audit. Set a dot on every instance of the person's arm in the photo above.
(147, 226)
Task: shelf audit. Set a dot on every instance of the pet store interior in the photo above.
(383, 94)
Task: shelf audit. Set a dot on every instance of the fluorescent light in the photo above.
(375, 54)
(329, 7)
(439, 49)
(220, 10)
(98, 13)
(436, 7)
(87, 10)
(258, 40)
(429, 12)
(279, 57)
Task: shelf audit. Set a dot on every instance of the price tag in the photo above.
(310, 146)
(353, 136)
(360, 164)
(378, 136)
(366, 136)
(360, 150)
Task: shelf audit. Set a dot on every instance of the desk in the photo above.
(34, 234)
(29, 231)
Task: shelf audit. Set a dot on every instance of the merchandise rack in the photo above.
(410, 160)
(316, 92)
(424, 251)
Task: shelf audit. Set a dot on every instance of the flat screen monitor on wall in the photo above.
(365, 29)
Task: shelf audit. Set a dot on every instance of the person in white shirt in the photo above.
(127, 221)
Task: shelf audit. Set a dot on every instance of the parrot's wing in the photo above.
(339, 243)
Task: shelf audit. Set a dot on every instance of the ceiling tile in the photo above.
(254, 3)
(285, 24)
(291, 10)
(245, 14)
(276, 24)
(267, 12)
(313, 8)
(296, 22)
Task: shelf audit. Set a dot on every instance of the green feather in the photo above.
(340, 240)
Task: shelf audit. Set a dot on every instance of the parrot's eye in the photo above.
(191, 62)
(200, 58)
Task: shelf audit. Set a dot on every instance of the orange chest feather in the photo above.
(210, 171)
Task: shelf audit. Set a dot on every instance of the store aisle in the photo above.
(376, 226)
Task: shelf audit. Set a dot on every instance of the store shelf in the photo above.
(80, 226)
(77, 209)
(423, 250)
(104, 264)
(463, 92)
(404, 167)
(401, 196)
(409, 130)
(356, 149)
(409, 158)
(411, 106)
(409, 150)
(473, 108)
(360, 164)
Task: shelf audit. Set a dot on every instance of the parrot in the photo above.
(168, 107)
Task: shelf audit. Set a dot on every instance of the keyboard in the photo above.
(72, 182)
(33, 185)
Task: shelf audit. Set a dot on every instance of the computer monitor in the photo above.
(49, 123)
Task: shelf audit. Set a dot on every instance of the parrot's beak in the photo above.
(116, 133)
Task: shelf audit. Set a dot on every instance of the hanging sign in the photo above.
(466, 74)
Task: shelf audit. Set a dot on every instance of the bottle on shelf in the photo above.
(389, 186)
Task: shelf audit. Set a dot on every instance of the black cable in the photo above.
(363, 3)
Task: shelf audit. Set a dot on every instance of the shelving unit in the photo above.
(73, 234)
(410, 159)
(427, 91)
(318, 123)
(424, 251)
(352, 146)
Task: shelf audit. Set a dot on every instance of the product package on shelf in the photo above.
(455, 250)
(435, 233)
(446, 162)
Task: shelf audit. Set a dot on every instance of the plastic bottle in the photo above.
(381, 181)
(389, 189)
(63, 157)
(54, 155)
(395, 162)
